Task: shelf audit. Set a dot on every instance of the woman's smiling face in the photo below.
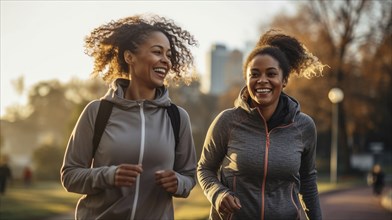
(264, 81)
(152, 61)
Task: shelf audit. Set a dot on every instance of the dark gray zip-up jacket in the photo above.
(266, 169)
(137, 132)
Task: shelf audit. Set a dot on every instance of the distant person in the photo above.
(258, 159)
(27, 176)
(377, 179)
(138, 165)
(5, 176)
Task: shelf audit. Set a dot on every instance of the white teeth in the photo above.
(160, 70)
(263, 90)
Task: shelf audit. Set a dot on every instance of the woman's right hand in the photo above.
(229, 204)
(126, 174)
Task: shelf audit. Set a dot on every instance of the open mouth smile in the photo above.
(160, 71)
(263, 91)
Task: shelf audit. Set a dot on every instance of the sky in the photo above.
(43, 40)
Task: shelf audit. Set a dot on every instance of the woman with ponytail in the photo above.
(258, 159)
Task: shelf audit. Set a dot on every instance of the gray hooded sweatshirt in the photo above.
(138, 132)
(265, 164)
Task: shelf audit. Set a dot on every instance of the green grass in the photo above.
(40, 200)
(196, 206)
(46, 199)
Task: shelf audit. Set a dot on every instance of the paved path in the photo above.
(357, 203)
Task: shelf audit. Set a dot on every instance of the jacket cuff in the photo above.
(219, 198)
(111, 175)
(184, 186)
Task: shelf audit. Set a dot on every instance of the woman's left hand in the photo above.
(229, 204)
(167, 179)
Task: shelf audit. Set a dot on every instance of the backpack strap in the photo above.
(175, 119)
(104, 111)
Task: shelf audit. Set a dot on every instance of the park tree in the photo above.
(68, 101)
(17, 112)
(376, 68)
(47, 161)
(201, 109)
(47, 113)
(50, 110)
(53, 109)
(80, 93)
(56, 106)
(343, 34)
(1, 140)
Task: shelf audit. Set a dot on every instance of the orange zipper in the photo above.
(267, 145)
(265, 166)
(264, 177)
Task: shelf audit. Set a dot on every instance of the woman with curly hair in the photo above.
(138, 165)
(258, 160)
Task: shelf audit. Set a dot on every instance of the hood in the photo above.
(117, 90)
(285, 113)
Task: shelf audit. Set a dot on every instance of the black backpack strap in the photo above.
(104, 111)
(175, 120)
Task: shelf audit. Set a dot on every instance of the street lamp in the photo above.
(335, 95)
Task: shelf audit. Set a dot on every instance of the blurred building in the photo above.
(224, 68)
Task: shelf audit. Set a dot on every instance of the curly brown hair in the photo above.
(107, 44)
(292, 55)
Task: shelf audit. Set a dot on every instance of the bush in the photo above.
(47, 162)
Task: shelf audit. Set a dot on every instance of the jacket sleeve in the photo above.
(185, 159)
(77, 175)
(308, 172)
(214, 150)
